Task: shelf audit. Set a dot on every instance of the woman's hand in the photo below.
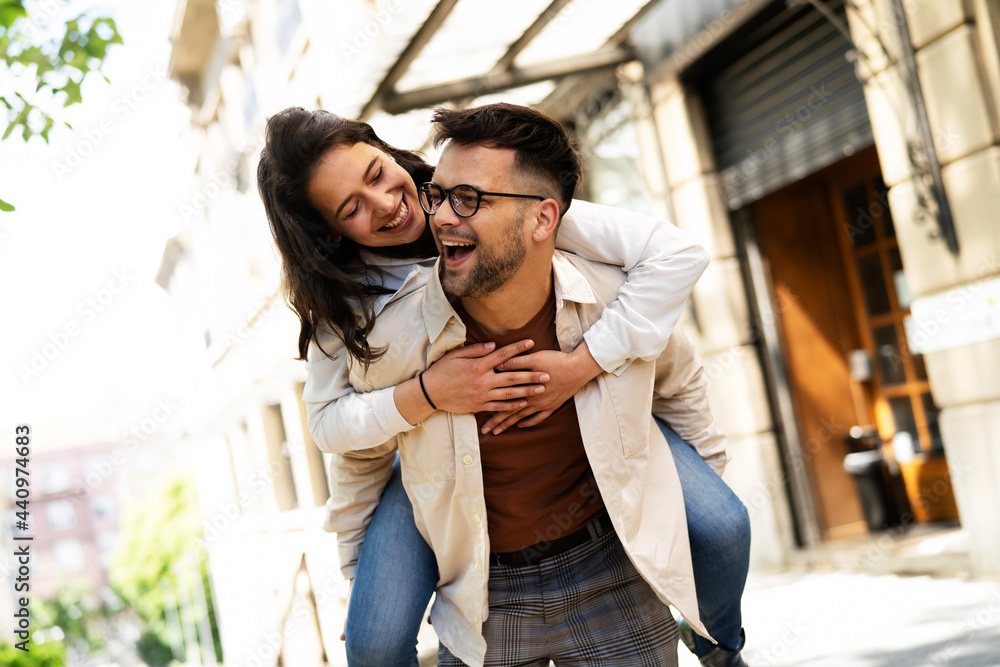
(464, 380)
(569, 371)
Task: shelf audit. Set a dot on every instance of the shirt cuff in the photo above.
(606, 349)
(387, 414)
(348, 571)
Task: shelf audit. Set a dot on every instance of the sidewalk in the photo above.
(937, 549)
(890, 599)
(860, 620)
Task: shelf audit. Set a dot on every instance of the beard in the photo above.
(493, 268)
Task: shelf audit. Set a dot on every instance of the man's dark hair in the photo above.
(544, 152)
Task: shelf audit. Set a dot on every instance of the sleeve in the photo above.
(680, 398)
(340, 419)
(663, 264)
(358, 479)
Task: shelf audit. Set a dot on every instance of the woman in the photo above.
(343, 209)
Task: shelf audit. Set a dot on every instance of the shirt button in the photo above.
(467, 460)
(475, 619)
(479, 567)
(477, 518)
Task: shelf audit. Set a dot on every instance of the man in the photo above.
(563, 541)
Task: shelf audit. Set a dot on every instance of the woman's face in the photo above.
(365, 196)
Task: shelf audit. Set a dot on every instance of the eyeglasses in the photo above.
(464, 199)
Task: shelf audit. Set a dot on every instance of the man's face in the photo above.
(479, 255)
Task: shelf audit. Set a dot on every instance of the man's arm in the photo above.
(680, 398)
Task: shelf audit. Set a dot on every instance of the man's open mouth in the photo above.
(456, 251)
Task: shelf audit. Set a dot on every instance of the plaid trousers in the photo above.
(585, 607)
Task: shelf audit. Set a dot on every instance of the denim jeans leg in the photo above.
(395, 578)
(719, 533)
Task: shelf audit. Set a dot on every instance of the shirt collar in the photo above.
(437, 310)
(403, 279)
(570, 285)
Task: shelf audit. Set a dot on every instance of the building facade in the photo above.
(84, 474)
(839, 160)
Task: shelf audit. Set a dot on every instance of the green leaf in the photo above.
(49, 122)
(10, 12)
(57, 59)
(73, 94)
(115, 37)
(5, 207)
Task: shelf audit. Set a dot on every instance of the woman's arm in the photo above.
(339, 419)
(342, 420)
(663, 264)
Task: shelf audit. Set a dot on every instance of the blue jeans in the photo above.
(393, 583)
(719, 533)
(397, 571)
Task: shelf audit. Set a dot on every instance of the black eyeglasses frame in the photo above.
(446, 193)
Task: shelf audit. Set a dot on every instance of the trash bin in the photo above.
(875, 489)
(863, 439)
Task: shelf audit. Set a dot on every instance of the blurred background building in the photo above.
(88, 479)
(840, 161)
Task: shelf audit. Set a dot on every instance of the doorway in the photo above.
(840, 294)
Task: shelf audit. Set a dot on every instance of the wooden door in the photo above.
(811, 300)
(839, 287)
(905, 413)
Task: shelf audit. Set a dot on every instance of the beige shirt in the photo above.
(441, 462)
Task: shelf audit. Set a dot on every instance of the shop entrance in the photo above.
(839, 289)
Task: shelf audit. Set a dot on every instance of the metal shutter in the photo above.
(784, 103)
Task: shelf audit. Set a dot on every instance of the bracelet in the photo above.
(424, 389)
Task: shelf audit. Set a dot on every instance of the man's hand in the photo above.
(568, 371)
(463, 381)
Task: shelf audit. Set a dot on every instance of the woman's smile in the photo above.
(364, 195)
(403, 215)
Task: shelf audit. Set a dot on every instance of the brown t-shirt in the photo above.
(538, 482)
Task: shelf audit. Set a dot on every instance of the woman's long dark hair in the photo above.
(323, 281)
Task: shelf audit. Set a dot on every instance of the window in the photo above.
(105, 506)
(55, 478)
(60, 515)
(883, 308)
(289, 20)
(279, 457)
(69, 555)
(106, 547)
